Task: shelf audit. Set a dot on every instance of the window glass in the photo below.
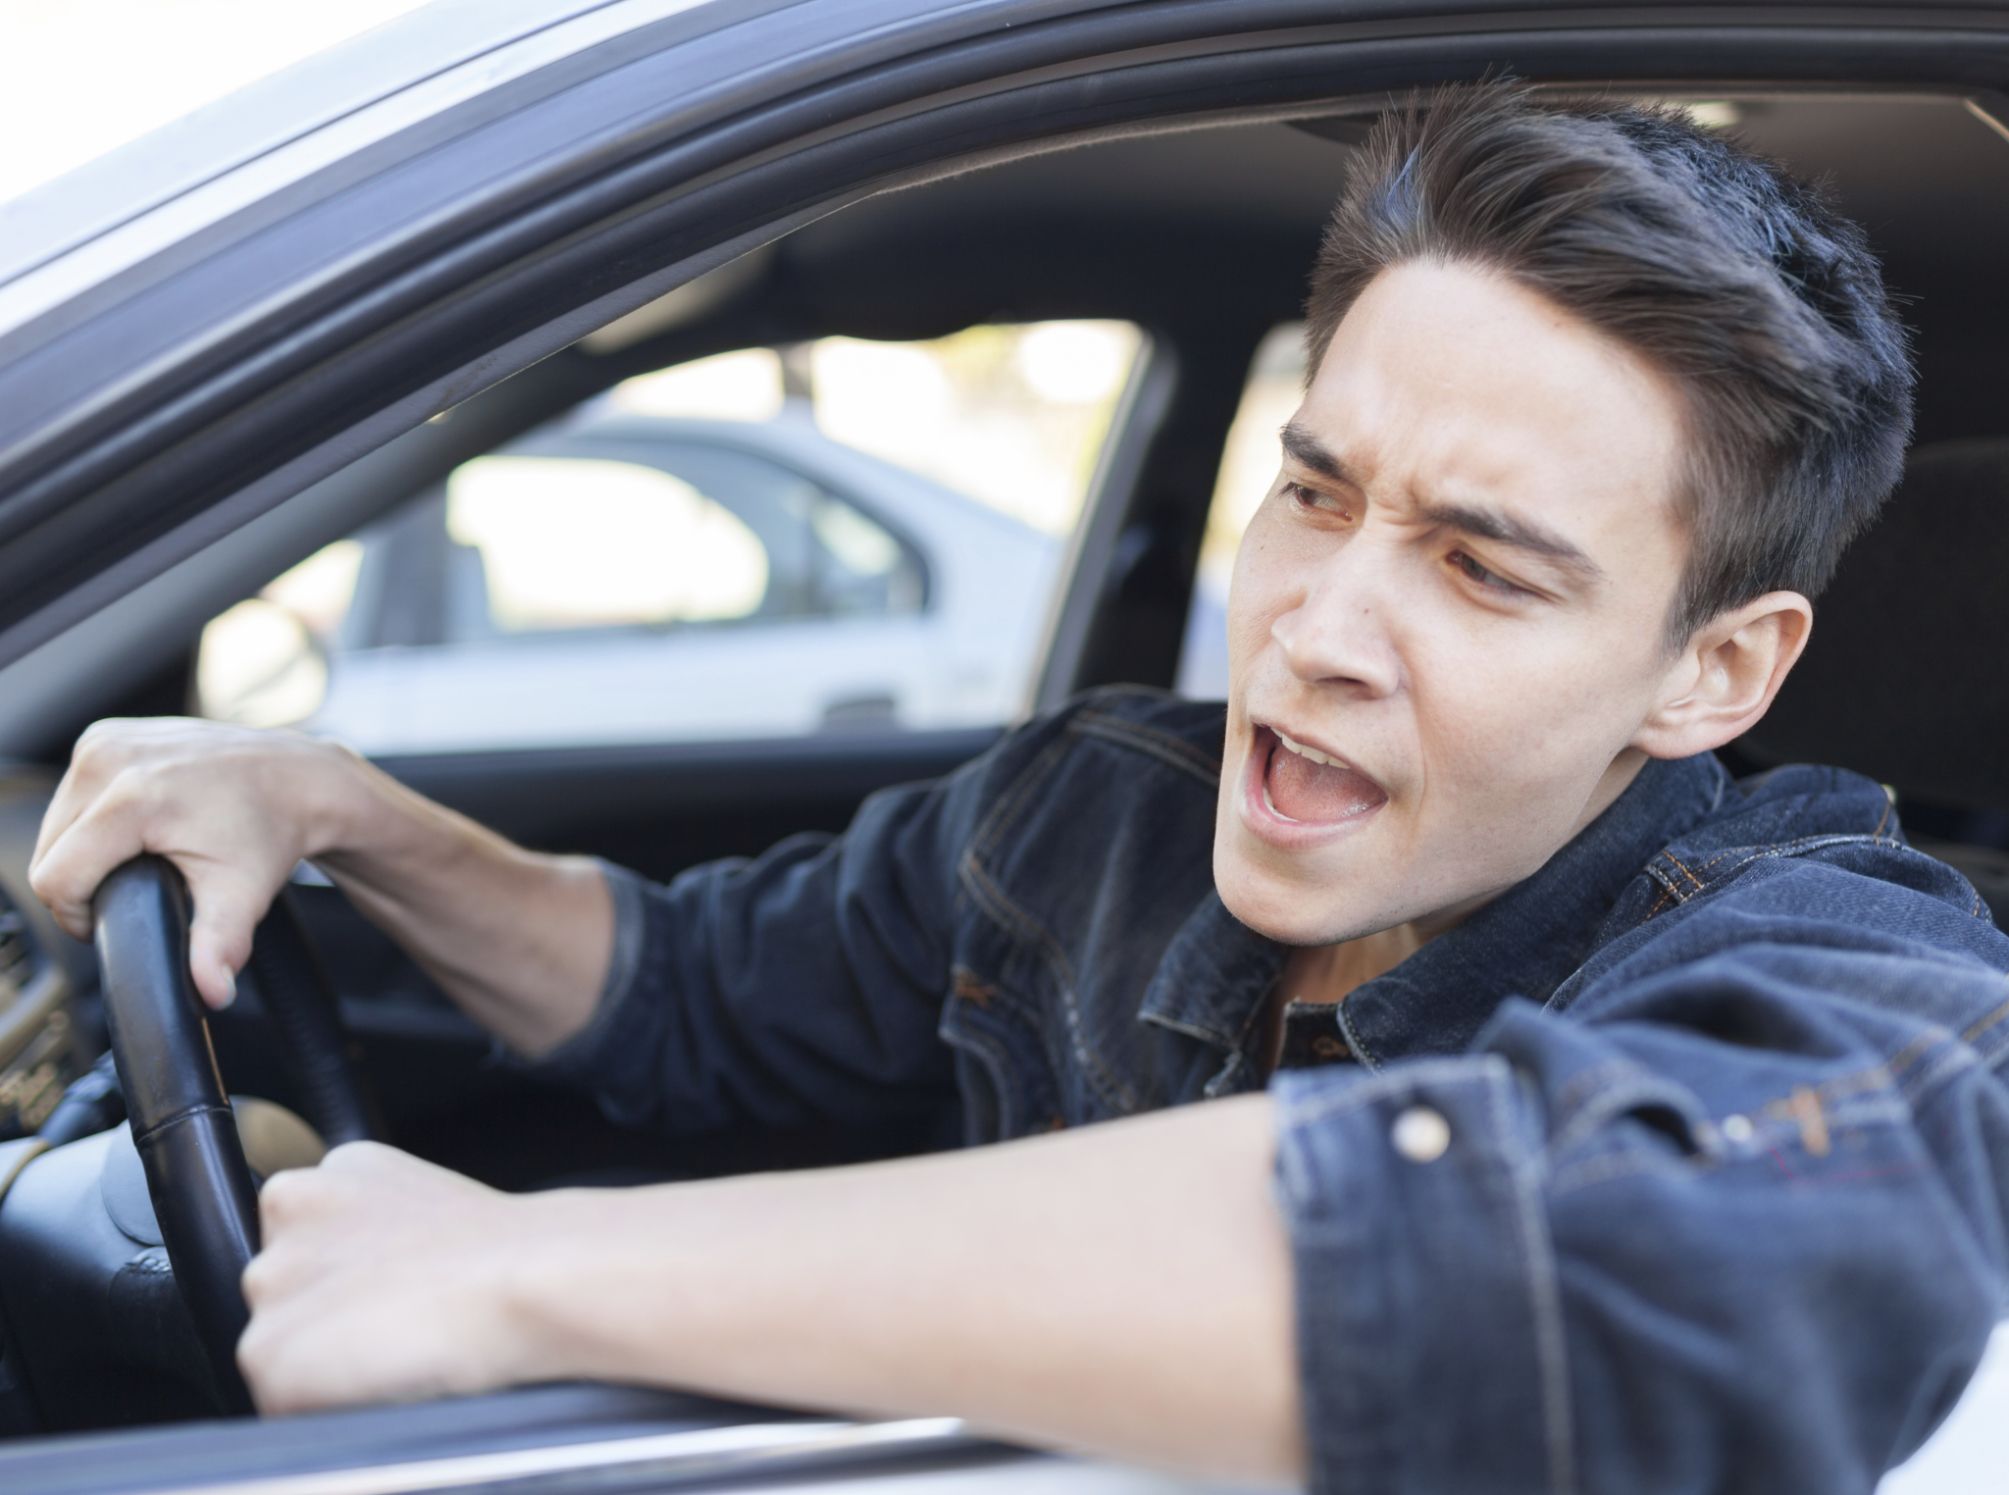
(261, 662)
(1248, 467)
(537, 528)
(772, 541)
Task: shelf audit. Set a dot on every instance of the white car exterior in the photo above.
(943, 636)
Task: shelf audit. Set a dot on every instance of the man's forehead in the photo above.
(1453, 387)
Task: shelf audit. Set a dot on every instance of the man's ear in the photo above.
(1724, 678)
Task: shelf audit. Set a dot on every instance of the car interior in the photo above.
(1199, 236)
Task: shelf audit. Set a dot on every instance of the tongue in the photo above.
(1305, 790)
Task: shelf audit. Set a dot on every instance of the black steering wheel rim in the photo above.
(204, 1195)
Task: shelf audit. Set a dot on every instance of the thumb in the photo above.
(219, 938)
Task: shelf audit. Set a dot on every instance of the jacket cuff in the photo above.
(607, 1046)
(1430, 1341)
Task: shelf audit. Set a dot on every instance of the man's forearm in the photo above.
(519, 940)
(1122, 1290)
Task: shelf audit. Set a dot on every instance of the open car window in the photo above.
(771, 542)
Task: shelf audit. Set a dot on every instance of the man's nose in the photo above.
(1338, 632)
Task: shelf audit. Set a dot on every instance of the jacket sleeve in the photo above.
(797, 988)
(1734, 1220)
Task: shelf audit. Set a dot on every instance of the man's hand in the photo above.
(1122, 1290)
(234, 809)
(518, 939)
(383, 1278)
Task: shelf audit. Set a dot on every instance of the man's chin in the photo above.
(1289, 915)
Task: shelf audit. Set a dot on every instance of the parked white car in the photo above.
(486, 611)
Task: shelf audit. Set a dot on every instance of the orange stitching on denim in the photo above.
(1876, 1077)
(1684, 869)
(1015, 919)
(1984, 1024)
(1883, 1075)
(1801, 847)
(984, 889)
(1354, 1041)
(1889, 803)
(1804, 1109)
(971, 988)
(1911, 1053)
(992, 828)
(1817, 1115)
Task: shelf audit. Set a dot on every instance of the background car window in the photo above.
(774, 541)
(526, 550)
(1248, 467)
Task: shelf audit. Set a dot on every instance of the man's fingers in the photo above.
(215, 979)
(67, 875)
(291, 1196)
(227, 909)
(217, 802)
(68, 802)
(228, 904)
(92, 764)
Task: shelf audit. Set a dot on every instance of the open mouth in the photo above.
(1299, 785)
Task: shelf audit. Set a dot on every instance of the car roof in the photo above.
(414, 57)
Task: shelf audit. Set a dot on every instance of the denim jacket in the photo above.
(1681, 1165)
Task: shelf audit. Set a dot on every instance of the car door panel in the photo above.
(659, 808)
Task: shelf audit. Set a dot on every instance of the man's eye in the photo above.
(1477, 573)
(1311, 499)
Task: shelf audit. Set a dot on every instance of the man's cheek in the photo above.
(1521, 770)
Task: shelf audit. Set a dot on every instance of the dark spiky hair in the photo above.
(1765, 307)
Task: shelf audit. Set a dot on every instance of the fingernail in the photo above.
(229, 988)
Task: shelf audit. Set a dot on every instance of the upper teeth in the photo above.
(1312, 753)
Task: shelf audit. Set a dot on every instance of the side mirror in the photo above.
(260, 665)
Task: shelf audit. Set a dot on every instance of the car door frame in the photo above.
(222, 429)
(109, 474)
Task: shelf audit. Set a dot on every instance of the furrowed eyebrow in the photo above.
(1307, 450)
(1479, 520)
(1516, 534)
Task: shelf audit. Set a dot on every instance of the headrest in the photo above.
(1904, 677)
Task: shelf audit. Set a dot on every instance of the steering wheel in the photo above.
(204, 1196)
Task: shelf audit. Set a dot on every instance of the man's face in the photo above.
(1457, 588)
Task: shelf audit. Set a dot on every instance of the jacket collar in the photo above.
(1217, 972)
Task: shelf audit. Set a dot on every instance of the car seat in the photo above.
(1903, 678)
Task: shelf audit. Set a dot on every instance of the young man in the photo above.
(1578, 1118)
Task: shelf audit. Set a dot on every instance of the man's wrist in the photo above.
(348, 808)
(365, 825)
(552, 1295)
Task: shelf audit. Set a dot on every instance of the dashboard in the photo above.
(43, 1045)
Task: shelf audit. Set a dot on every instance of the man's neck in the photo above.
(1325, 973)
